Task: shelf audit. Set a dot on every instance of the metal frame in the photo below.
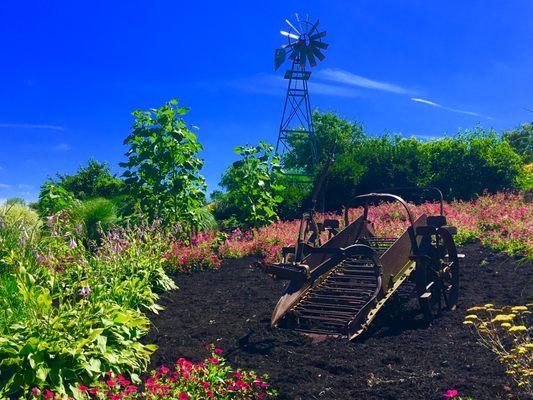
(337, 288)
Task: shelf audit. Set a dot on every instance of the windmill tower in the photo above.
(303, 48)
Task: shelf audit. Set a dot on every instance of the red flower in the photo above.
(213, 360)
(48, 394)
(83, 388)
(111, 382)
(183, 396)
(35, 391)
(451, 393)
(218, 351)
(122, 381)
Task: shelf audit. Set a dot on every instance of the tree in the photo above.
(163, 167)
(330, 130)
(521, 140)
(93, 180)
(251, 191)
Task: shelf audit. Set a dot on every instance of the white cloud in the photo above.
(61, 147)
(4, 186)
(332, 90)
(33, 126)
(455, 110)
(342, 76)
(276, 85)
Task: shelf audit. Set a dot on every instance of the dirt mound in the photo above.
(399, 358)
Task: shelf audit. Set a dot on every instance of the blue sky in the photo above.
(71, 72)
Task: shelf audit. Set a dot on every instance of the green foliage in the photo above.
(295, 192)
(19, 228)
(94, 180)
(524, 179)
(53, 198)
(75, 314)
(94, 215)
(462, 166)
(330, 129)
(68, 346)
(468, 164)
(252, 193)
(206, 221)
(521, 141)
(163, 169)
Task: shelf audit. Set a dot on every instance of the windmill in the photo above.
(303, 48)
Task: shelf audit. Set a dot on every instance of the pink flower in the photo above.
(183, 396)
(213, 360)
(451, 393)
(35, 391)
(111, 382)
(82, 388)
(48, 394)
(218, 351)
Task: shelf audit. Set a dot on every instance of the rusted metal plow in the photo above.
(337, 288)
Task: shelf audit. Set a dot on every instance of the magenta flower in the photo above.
(451, 393)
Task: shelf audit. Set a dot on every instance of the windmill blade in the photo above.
(292, 26)
(313, 28)
(298, 20)
(285, 45)
(319, 54)
(320, 45)
(311, 58)
(318, 35)
(279, 58)
(291, 35)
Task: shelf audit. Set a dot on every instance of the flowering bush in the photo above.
(501, 221)
(198, 253)
(506, 331)
(212, 378)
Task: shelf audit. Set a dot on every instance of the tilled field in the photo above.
(399, 358)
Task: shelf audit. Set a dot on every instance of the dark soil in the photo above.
(401, 357)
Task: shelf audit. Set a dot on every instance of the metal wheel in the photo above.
(443, 274)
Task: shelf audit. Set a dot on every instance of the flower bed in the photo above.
(501, 221)
(211, 378)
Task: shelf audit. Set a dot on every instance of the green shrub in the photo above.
(95, 215)
(251, 190)
(53, 198)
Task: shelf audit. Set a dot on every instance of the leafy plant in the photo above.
(250, 184)
(53, 198)
(163, 169)
(59, 347)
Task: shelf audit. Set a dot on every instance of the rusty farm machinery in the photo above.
(337, 288)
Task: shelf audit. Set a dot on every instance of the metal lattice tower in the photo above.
(303, 45)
